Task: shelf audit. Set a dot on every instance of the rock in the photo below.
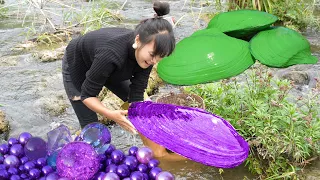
(55, 106)
(298, 77)
(9, 60)
(312, 175)
(4, 127)
(154, 82)
(53, 38)
(25, 46)
(111, 101)
(50, 56)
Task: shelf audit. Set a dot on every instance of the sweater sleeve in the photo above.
(105, 63)
(139, 83)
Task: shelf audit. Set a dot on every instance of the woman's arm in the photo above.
(117, 116)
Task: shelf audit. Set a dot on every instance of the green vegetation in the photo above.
(3, 11)
(297, 14)
(283, 131)
(98, 15)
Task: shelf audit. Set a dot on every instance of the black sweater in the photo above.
(106, 55)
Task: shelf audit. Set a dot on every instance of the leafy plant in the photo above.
(3, 11)
(283, 131)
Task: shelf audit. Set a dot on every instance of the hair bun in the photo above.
(161, 8)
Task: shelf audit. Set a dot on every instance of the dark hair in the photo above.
(157, 29)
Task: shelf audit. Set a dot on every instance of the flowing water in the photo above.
(28, 87)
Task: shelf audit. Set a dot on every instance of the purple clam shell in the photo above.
(190, 132)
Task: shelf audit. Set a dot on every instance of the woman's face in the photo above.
(144, 55)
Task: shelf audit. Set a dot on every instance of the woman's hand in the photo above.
(119, 116)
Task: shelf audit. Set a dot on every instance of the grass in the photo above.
(283, 131)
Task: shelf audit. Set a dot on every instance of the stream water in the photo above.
(28, 86)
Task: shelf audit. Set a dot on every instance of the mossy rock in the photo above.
(4, 127)
(154, 82)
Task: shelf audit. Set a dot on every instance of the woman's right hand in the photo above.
(119, 116)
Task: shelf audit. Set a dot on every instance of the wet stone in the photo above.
(50, 56)
(4, 127)
(9, 60)
(298, 77)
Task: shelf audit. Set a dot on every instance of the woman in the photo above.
(119, 59)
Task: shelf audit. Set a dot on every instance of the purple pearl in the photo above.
(144, 155)
(29, 165)
(34, 173)
(11, 161)
(111, 176)
(41, 162)
(1, 159)
(15, 177)
(4, 174)
(117, 156)
(123, 171)
(145, 176)
(137, 175)
(101, 167)
(63, 178)
(4, 148)
(21, 168)
(165, 175)
(112, 168)
(16, 150)
(24, 159)
(153, 163)
(133, 150)
(99, 176)
(131, 162)
(12, 141)
(127, 178)
(42, 178)
(2, 166)
(142, 168)
(108, 162)
(23, 176)
(102, 157)
(47, 170)
(53, 176)
(154, 172)
(12, 171)
(110, 149)
(24, 137)
(35, 148)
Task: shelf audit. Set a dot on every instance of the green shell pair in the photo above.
(218, 52)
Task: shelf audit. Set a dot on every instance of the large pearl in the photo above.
(11, 161)
(144, 155)
(165, 175)
(24, 137)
